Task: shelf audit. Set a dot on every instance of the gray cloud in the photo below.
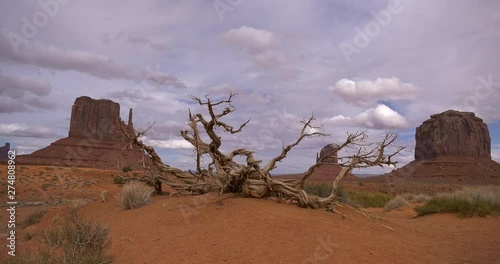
(26, 130)
(25, 93)
(134, 38)
(278, 55)
(16, 87)
(94, 64)
(262, 47)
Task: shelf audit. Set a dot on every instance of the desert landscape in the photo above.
(230, 228)
(371, 219)
(258, 131)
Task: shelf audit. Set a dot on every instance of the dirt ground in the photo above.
(230, 229)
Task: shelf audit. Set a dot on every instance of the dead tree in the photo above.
(223, 174)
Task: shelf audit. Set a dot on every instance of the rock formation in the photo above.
(4, 152)
(330, 152)
(452, 133)
(452, 146)
(98, 119)
(95, 139)
(329, 168)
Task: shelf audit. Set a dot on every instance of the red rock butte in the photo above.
(94, 140)
(453, 133)
(452, 146)
(4, 152)
(329, 168)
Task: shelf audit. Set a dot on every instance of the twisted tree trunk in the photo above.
(224, 174)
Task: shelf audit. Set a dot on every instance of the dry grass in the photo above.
(135, 194)
(396, 203)
(470, 201)
(418, 198)
(73, 240)
(33, 218)
(351, 197)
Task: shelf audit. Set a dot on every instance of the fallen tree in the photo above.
(224, 174)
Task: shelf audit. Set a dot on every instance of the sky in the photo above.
(355, 64)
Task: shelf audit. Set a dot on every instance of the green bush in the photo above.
(319, 189)
(470, 201)
(350, 197)
(127, 168)
(369, 199)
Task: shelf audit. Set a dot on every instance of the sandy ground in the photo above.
(232, 229)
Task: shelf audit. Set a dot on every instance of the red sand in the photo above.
(232, 229)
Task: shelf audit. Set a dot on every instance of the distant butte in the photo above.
(94, 139)
(452, 146)
(4, 152)
(453, 133)
(329, 168)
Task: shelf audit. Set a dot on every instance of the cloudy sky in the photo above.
(355, 64)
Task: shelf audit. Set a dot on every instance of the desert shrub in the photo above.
(419, 198)
(319, 189)
(81, 240)
(40, 257)
(73, 240)
(135, 194)
(47, 185)
(119, 180)
(33, 218)
(470, 201)
(28, 237)
(395, 203)
(344, 196)
(127, 168)
(369, 199)
(349, 197)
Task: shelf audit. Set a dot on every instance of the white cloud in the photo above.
(223, 88)
(256, 40)
(366, 92)
(262, 48)
(25, 130)
(259, 44)
(169, 144)
(380, 117)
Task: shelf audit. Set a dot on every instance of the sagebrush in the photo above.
(396, 203)
(470, 201)
(73, 240)
(135, 194)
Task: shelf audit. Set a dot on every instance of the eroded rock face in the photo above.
(328, 150)
(452, 133)
(94, 139)
(96, 119)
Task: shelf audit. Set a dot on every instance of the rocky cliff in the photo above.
(94, 139)
(454, 147)
(328, 154)
(452, 133)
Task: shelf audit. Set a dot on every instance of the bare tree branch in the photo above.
(224, 174)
